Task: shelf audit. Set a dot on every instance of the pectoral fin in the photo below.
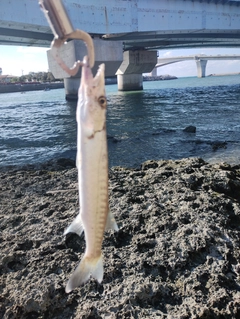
(75, 227)
(111, 222)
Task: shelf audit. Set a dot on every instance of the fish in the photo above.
(92, 163)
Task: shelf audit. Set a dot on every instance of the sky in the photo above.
(189, 68)
(17, 60)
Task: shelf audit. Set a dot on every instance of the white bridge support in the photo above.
(109, 53)
(201, 68)
(201, 61)
(129, 74)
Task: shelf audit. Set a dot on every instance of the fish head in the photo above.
(92, 102)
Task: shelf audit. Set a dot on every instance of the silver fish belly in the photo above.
(92, 163)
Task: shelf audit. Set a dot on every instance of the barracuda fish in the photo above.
(92, 156)
(92, 163)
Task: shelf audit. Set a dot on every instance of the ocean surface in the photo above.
(41, 125)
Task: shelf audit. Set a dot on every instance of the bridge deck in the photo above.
(138, 23)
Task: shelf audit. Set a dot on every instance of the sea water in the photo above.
(149, 124)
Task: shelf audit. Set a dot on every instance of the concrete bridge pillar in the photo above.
(108, 52)
(130, 82)
(154, 72)
(71, 86)
(201, 68)
(135, 63)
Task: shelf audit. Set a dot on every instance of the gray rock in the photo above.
(176, 254)
(190, 129)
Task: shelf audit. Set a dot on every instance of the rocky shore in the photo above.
(159, 77)
(176, 255)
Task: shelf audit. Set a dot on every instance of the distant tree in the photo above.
(50, 77)
(22, 78)
(44, 76)
(15, 79)
(29, 77)
(34, 76)
(39, 76)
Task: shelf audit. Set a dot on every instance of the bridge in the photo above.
(127, 34)
(201, 61)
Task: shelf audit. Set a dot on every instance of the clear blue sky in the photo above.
(16, 60)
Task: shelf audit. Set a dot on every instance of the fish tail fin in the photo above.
(88, 266)
(75, 227)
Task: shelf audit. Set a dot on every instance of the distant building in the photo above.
(0, 71)
(6, 78)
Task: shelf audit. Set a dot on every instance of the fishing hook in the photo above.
(62, 29)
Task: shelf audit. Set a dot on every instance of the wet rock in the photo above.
(218, 145)
(190, 129)
(113, 139)
(176, 254)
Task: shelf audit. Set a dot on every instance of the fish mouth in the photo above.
(87, 76)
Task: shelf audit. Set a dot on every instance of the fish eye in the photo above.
(102, 101)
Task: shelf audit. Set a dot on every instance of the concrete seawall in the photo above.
(9, 88)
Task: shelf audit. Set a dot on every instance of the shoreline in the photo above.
(224, 74)
(25, 87)
(176, 253)
(12, 88)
